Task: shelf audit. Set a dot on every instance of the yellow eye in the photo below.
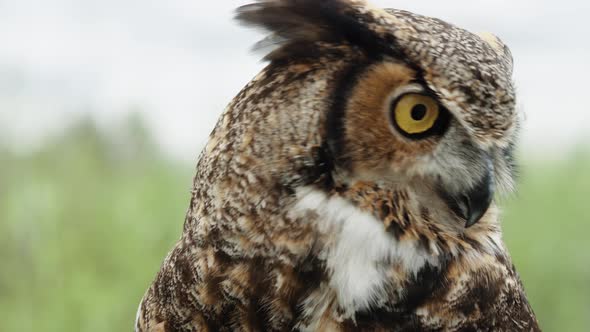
(415, 113)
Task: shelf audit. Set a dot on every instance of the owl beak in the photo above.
(478, 200)
(472, 205)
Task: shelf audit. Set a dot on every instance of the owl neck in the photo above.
(374, 240)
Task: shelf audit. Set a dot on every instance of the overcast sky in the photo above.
(181, 61)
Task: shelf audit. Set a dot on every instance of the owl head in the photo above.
(357, 93)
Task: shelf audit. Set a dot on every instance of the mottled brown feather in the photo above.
(315, 120)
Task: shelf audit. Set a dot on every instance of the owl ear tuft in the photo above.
(501, 49)
(297, 26)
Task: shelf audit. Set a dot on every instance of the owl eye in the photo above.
(416, 115)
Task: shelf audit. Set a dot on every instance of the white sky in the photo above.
(181, 61)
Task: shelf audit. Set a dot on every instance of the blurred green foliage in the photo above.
(86, 221)
(545, 227)
(84, 225)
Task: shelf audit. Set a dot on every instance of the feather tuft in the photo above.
(298, 26)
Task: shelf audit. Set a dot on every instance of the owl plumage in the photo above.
(350, 185)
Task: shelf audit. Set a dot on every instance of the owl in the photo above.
(350, 185)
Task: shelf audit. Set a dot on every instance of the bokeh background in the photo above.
(105, 105)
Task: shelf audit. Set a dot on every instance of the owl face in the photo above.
(394, 130)
(415, 103)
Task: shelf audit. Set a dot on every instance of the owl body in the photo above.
(322, 202)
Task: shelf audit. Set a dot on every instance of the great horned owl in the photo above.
(350, 185)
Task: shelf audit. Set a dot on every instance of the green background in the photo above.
(86, 220)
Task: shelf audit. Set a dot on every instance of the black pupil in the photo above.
(418, 112)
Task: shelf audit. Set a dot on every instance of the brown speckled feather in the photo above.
(310, 211)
